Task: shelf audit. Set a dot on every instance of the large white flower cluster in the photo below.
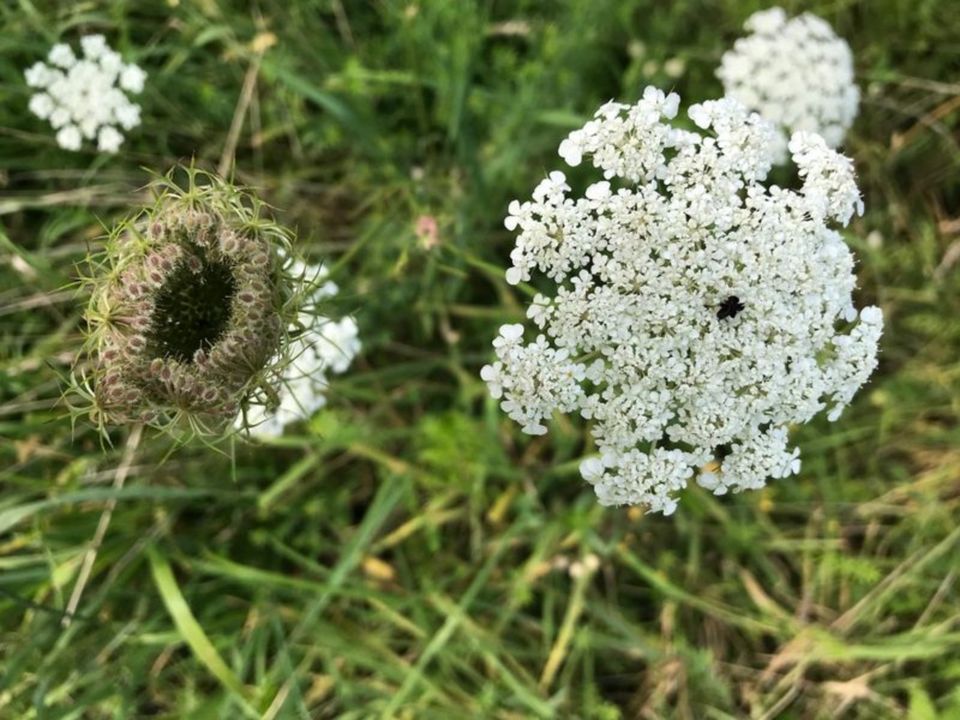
(324, 346)
(85, 98)
(698, 311)
(795, 72)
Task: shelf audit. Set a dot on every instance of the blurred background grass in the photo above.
(408, 553)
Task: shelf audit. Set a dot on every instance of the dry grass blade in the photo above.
(90, 555)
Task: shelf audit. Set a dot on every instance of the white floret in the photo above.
(698, 312)
(132, 79)
(324, 347)
(69, 137)
(62, 56)
(109, 139)
(41, 105)
(93, 46)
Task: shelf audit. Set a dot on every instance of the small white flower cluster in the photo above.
(86, 97)
(698, 311)
(795, 72)
(323, 346)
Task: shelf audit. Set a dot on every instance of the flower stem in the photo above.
(120, 476)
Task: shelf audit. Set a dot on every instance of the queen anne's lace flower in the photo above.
(698, 311)
(190, 303)
(323, 346)
(85, 98)
(796, 73)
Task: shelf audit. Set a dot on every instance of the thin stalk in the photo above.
(129, 452)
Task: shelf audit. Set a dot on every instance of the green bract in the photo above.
(192, 303)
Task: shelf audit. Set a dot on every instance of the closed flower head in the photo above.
(697, 310)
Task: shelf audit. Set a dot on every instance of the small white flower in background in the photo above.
(675, 67)
(699, 311)
(795, 72)
(85, 98)
(324, 346)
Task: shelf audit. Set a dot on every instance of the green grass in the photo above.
(408, 553)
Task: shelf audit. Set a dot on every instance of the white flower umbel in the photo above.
(698, 311)
(795, 72)
(324, 346)
(85, 98)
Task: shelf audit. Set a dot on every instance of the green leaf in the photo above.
(190, 629)
(921, 706)
(338, 110)
(13, 515)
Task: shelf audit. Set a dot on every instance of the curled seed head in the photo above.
(188, 307)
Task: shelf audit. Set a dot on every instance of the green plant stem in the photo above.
(123, 469)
